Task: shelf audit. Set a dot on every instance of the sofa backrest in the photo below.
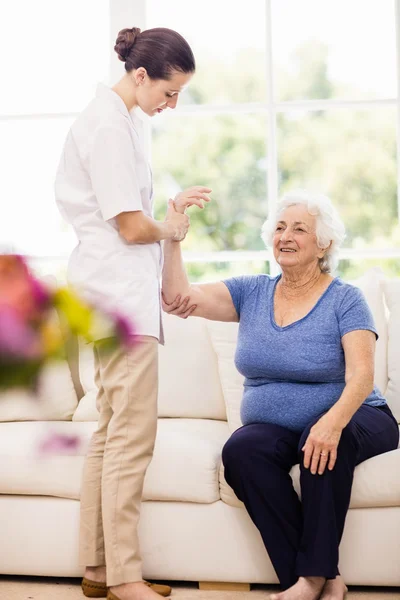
(189, 377)
(198, 378)
(55, 400)
(189, 383)
(224, 339)
(392, 297)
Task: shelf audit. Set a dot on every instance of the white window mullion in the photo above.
(126, 13)
(397, 28)
(123, 13)
(279, 107)
(272, 174)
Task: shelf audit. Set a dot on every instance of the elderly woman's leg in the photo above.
(257, 460)
(326, 498)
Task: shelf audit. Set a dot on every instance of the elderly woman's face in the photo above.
(295, 241)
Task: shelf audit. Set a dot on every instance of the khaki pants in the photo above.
(119, 454)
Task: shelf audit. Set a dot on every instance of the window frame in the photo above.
(123, 12)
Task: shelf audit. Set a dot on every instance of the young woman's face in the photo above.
(155, 95)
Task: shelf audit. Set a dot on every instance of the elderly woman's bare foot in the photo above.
(334, 589)
(307, 588)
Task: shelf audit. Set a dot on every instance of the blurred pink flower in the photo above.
(57, 443)
(30, 336)
(19, 290)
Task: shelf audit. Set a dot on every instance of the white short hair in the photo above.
(329, 228)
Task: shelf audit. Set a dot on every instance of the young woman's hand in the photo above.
(197, 195)
(179, 307)
(180, 222)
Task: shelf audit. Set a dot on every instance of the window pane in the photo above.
(43, 267)
(228, 41)
(211, 271)
(29, 219)
(53, 54)
(350, 156)
(334, 49)
(226, 153)
(354, 268)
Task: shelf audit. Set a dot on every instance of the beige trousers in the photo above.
(119, 454)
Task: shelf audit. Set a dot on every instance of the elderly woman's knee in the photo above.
(236, 448)
(248, 442)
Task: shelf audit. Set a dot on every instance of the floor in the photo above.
(27, 588)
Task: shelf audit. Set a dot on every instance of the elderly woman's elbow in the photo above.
(370, 385)
(363, 379)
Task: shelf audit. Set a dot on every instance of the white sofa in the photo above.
(192, 526)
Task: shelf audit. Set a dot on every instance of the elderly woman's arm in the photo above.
(209, 300)
(359, 353)
(320, 449)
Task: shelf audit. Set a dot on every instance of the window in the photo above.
(53, 55)
(287, 94)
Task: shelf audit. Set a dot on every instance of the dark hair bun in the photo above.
(125, 40)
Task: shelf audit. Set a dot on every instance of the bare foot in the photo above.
(134, 591)
(96, 574)
(307, 588)
(334, 589)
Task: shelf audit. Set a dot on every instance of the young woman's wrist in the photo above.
(168, 230)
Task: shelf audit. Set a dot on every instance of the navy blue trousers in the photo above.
(302, 538)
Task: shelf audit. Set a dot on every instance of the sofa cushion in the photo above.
(189, 385)
(185, 466)
(376, 483)
(86, 409)
(224, 340)
(55, 399)
(392, 296)
(189, 380)
(371, 284)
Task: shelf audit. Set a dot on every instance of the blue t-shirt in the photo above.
(297, 372)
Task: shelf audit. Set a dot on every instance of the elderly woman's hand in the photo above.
(198, 194)
(321, 445)
(179, 308)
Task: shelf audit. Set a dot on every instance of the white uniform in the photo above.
(103, 171)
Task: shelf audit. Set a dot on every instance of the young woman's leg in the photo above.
(91, 548)
(119, 454)
(131, 383)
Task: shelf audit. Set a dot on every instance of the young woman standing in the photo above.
(104, 190)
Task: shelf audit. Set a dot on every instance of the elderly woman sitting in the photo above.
(306, 348)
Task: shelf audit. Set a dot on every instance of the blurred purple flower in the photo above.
(16, 338)
(124, 330)
(58, 443)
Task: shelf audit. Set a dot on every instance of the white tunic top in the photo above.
(103, 171)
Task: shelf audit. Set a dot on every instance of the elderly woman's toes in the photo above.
(307, 588)
(334, 589)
